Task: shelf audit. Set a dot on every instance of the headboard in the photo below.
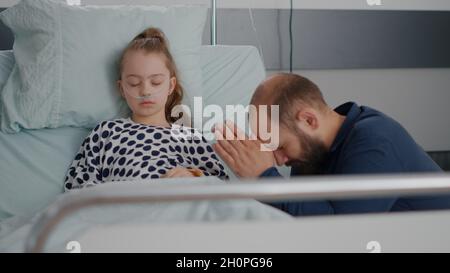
(6, 36)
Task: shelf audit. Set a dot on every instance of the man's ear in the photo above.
(173, 84)
(307, 120)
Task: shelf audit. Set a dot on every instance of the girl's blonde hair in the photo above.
(153, 40)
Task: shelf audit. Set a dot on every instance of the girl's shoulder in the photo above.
(191, 134)
(186, 130)
(109, 124)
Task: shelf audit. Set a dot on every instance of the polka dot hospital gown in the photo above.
(122, 150)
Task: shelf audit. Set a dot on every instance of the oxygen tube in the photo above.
(154, 95)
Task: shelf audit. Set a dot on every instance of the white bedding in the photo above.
(14, 231)
(35, 162)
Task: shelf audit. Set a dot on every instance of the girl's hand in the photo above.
(183, 172)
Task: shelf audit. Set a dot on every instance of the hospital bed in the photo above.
(198, 215)
(411, 232)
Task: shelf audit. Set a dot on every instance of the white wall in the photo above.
(304, 4)
(418, 98)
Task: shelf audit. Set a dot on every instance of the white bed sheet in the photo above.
(15, 231)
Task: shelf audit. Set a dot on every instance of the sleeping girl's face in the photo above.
(146, 83)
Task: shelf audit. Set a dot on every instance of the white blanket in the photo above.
(15, 231)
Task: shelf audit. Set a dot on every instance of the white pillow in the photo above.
(67, 59)
(6, 65)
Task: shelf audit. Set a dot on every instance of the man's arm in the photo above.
(271, 172)
(298, 208)
(368, 155)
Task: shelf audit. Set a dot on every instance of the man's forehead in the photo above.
(264, 122)
(266, 93)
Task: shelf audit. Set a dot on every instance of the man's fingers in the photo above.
(237, 132)
(256, 144)
(239, 135)
(236, 138)
(233, 148)
(224, 155)
(229, 131)
(224, 152)
(228, 146)
(224, 131)
(219, 131)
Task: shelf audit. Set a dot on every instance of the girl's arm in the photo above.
(208, 161)
(86, 169)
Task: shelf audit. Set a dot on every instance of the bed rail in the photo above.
(306, 188)
(213, 22)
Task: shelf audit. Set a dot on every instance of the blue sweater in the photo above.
(369, 142)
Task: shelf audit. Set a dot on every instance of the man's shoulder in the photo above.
(370, 147)
(374, 131)
(373, 124)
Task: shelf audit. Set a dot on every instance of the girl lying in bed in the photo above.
(143, 146)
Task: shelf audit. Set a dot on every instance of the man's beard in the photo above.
(314, 156)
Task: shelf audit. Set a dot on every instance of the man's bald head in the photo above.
(288, 87)
(288, 90)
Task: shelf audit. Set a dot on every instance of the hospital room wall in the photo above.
(414, 88)
(270, 4)
(420, 101)
(417, 98)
